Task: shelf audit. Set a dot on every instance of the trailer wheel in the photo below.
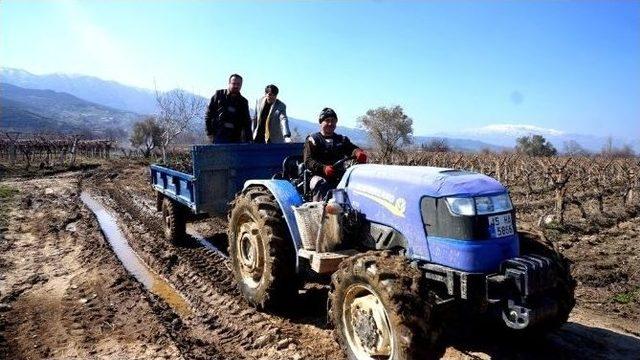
(261, 250)
(381, 309)
(174, 219)
(564, 292)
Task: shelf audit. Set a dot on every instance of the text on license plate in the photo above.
(500, 225)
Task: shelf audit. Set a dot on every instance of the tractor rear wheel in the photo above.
(261, 251)
(174, 219)
(381, 309)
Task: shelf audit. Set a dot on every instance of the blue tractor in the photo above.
(402, 247)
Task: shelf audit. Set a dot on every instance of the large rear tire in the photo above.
(381, 309)
(261, 251)
(175, 222)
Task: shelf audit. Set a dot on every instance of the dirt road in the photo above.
(65, 294)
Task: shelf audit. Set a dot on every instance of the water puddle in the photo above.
(130, 259)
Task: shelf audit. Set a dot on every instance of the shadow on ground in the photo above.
(571, 341)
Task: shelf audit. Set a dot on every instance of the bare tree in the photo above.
(573, 148)
(115, 134)
(611, 151)
(607, 148)
(388, 128)
(176, 110)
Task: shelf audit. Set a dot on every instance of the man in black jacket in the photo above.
(228, 119)
(323, 149)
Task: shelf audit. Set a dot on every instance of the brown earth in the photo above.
(65, 294)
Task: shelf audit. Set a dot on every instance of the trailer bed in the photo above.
(219, 172)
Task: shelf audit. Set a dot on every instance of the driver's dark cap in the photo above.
(327, 113)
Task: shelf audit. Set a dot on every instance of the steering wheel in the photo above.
(340, 163)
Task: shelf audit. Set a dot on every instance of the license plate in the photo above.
(500, 225)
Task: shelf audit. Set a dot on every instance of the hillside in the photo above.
(108, 93)
(127, 98)
(29, 110)
(14, 116)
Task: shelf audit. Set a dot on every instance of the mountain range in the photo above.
(33, 110)
(68, 103)
(506, 135)
(89, 88)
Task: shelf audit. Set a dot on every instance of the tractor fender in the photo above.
(287, 196)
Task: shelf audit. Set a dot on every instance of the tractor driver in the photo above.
(323, 149)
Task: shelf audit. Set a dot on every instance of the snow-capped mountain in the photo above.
(516, 130)
(142, 101)
(506, 135)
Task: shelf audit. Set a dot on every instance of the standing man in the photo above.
(228, 119)
(323, 149)
(270, 123)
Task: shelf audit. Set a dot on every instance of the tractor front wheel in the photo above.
(381, 309)
(261, 250)
(564, 292)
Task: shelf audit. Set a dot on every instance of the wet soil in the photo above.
(64, 292)
(130, 260)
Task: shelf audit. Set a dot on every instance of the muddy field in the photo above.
(65, 292)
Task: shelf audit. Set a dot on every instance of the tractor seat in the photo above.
(292, 167)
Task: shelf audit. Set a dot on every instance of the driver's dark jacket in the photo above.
(322, 150)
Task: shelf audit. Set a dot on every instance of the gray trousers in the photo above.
(320, 187)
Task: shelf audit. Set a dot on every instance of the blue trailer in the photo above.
(219, 172)
(407, 248)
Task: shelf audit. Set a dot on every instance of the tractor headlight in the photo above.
(493, 204)
(461, 206)
(484, 205)
(502, 203)
(480, 205)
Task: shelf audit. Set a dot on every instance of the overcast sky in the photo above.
(571, 66)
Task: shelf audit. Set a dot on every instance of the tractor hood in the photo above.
(422, 180)
(392, 195)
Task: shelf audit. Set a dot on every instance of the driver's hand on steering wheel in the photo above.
(329, 172)
(361, 156)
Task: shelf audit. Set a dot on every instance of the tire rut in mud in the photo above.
(65, 293)
(204, 278)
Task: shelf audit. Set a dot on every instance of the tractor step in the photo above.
(325, 262)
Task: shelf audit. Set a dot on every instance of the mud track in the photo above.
(61, 282)
(203, 276)
(63, 293)
(305, 325)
